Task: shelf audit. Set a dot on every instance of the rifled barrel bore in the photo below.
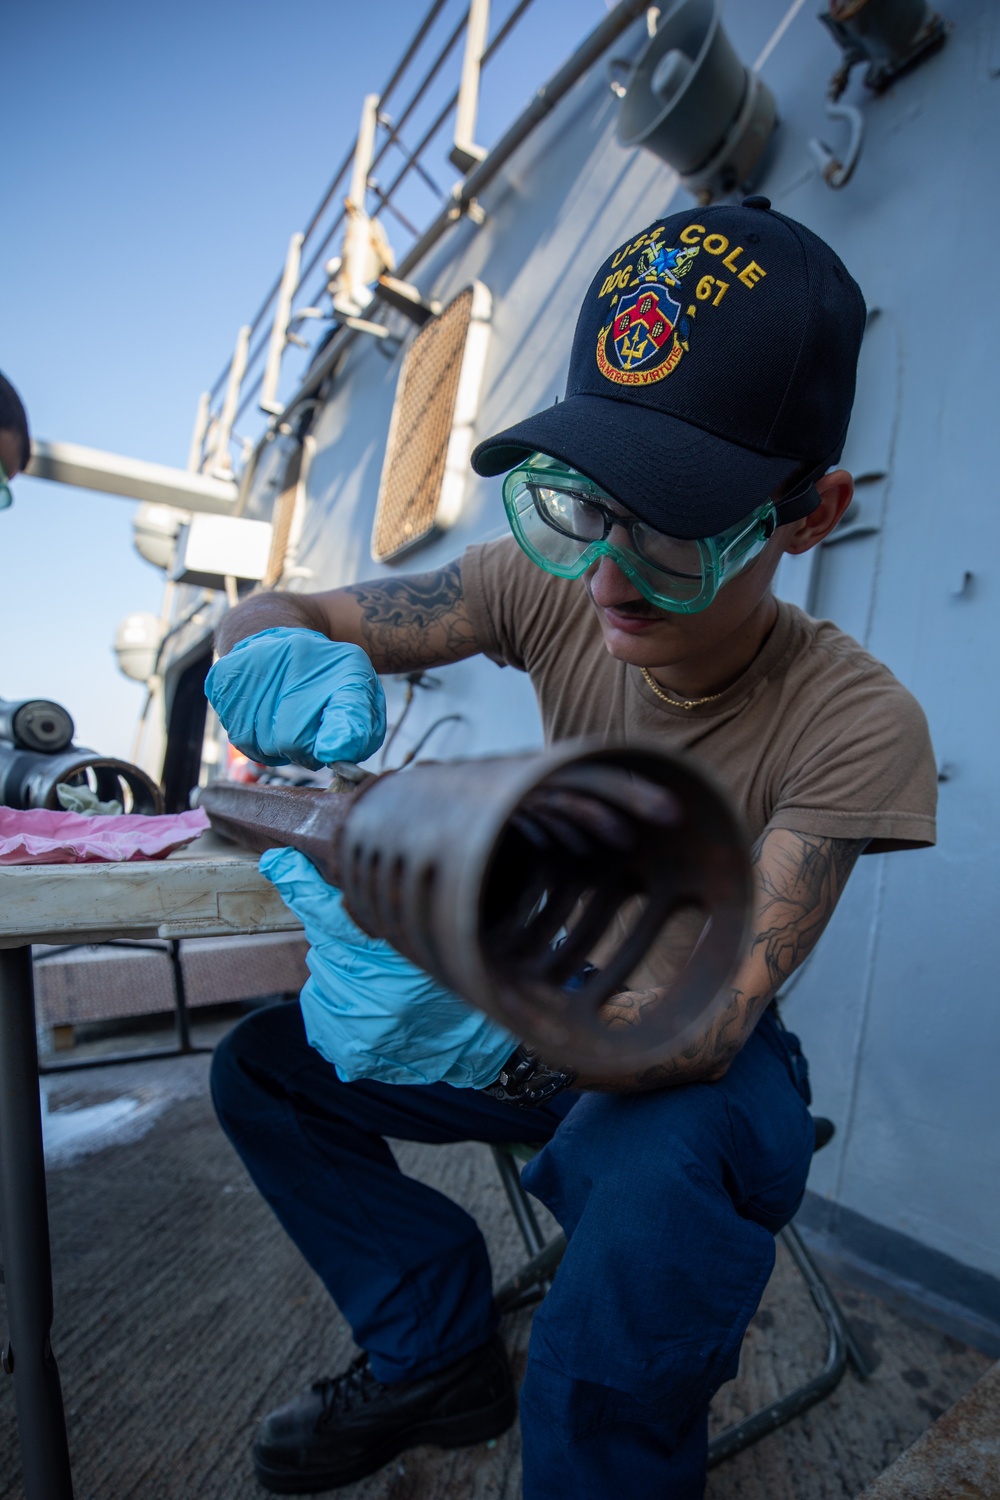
(505, 878)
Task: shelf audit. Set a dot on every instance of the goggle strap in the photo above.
(804, 497)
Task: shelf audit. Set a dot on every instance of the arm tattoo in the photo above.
(798, 887)
(798, 880)
(417, 621)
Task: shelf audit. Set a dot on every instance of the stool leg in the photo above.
(521, 1208)
(839, 1347)
(532, 1281)
(825, 1301)
(24, 1226)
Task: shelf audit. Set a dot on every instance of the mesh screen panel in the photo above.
(421, 428)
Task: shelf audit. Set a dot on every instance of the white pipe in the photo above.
(90, 469)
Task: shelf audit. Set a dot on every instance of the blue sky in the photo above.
(157, 160)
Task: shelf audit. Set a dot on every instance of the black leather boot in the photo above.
(349, 1426)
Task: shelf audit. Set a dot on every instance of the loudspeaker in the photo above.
(692, 102)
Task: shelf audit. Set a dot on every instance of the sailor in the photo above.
(15, 442)
(708, 399)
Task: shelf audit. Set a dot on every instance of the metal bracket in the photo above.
(838, 173)
(302, 316)
(405, 298)
(882, 38)
(387, 341)
(619, 72)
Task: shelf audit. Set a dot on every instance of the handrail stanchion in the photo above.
(363, 153)
(465, 154)
(221, 462)
(268, 401)
(197, 449)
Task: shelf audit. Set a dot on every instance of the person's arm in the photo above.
(405, 624)
(798, 880)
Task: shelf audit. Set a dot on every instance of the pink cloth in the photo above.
(40, 837)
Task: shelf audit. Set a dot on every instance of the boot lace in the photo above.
(344, 1393)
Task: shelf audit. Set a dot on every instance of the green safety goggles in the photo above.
(6, 498)
(563, 521)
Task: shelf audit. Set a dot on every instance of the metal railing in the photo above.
(251, 374)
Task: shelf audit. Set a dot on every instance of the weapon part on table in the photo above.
(37, 756)
(36, 724)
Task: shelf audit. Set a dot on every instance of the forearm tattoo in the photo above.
(416, 621)
(798, 885)
(798, 880)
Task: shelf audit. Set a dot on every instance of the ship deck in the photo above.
(182, 1314)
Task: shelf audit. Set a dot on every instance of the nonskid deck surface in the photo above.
(183, 1314)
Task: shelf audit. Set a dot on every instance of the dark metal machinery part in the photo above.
(29, 778)
(891, 36)
(36, 724)
(501, 877)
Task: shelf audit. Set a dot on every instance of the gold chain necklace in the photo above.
(677, 702)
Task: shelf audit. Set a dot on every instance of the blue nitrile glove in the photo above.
(367, 1009)
(294, 695)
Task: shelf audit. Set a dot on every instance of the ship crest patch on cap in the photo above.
(649, 331)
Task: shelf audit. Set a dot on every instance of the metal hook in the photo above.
(835, 172)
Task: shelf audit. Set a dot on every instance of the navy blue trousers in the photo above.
(670, 1202)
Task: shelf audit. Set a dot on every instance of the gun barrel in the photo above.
(504, 878)
(306, 818)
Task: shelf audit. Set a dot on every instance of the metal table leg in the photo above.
(182, 1023)
(24, 1229)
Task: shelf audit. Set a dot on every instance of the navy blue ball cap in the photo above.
(713, 366)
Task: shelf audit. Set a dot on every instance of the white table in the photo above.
(206, 890)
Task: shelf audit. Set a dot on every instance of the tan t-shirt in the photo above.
(816, 736)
